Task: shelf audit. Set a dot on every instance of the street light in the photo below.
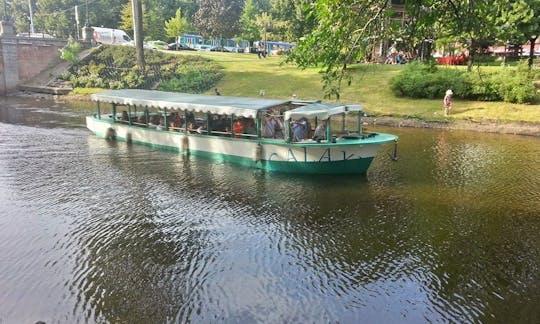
(31, 17)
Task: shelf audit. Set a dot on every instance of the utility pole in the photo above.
(137, 31)
(31, 18)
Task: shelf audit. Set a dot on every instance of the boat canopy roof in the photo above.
(221, 105)
(320, 110)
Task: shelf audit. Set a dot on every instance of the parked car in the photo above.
(158, 44)
(252, 50)
(203, 47)
(177, 47)
(145, 45)
(219, 49)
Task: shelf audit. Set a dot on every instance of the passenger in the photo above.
(125, 117)
(154, 121)
(299, 130)
(268, 129)
(250, 127)
(141, 120)
(279, 128)
(238, 128)
(161, 124)
(320, 131)
(193, 129)
(308, 132)
(190, 118)
(224, 124)
(190, 128)
(177, 120)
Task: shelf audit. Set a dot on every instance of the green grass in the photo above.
(245, 75)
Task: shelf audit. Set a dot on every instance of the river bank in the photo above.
(485, 126)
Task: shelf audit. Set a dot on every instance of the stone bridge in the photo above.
(23, 58)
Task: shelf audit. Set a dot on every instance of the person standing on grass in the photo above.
(447, 102)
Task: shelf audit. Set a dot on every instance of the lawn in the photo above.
(246, 75)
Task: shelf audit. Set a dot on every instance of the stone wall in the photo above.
(23, 58)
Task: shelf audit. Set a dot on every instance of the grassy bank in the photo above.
(246, 75)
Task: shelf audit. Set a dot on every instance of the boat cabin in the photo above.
(290, 121)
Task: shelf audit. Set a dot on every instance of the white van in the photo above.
(111, 36)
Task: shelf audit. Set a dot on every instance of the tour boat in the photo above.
(269, 134)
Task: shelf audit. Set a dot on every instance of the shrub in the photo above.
(70, 52)
(192, 79)
(420, 80)
(115, 67)
(426, 81)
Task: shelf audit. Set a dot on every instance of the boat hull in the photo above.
(342, 157)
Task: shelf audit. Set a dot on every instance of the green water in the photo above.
(94, 231)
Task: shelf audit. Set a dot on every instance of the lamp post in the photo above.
(5, 16)
(31, 17)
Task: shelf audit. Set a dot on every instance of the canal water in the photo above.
(99, 232)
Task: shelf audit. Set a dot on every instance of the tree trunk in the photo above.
(531, 51)
(137, 31)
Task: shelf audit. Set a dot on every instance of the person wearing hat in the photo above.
(447, 102)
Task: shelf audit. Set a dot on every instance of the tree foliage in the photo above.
(344, 29)
(177, 25)
(218, 18)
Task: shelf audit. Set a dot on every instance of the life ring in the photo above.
(110, 134)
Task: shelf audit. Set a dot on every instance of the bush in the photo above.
(115, 67)
(427, 81)
(194, 79)
(420, 80)
(70, 52)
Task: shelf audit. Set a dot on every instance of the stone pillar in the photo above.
(87, 33)
(6, 28)
(9, 67)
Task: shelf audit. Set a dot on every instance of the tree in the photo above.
(471, 21)
(292, 19)
(520, 20)
(218, 18)
(138, 31)
(250, 30)
(177, 25)
(344, 28)
(55, 17)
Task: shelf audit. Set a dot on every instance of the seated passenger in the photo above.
(280, 128)
(268, 129)
(125, 117)
(194, 129)
(250, 127)
(141, 119)
(298, 130)
(177, 120)
(320, 131)
(238, 128)
(161, 124)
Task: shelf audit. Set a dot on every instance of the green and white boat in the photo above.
(240, 130)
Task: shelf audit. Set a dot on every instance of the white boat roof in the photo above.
(220, 105)
(239, 106)
(320, 110)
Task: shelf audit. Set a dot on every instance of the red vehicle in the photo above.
(453, 60)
